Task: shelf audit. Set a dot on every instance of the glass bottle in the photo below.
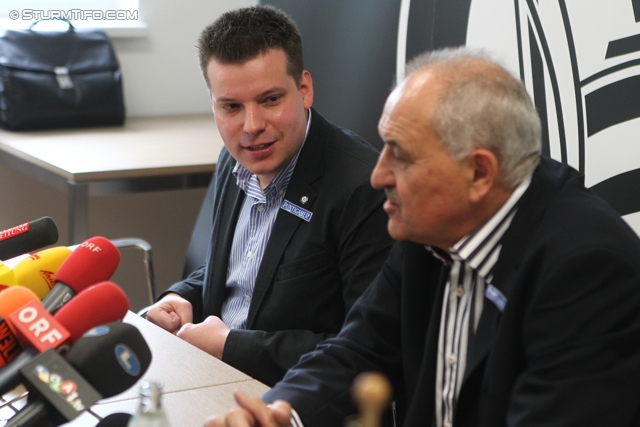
(150, 412)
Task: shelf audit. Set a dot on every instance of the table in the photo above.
(147, 153)
(196, 385)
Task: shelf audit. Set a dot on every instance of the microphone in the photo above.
(94, 260)
(113, 371)
(99, 304)
(104, 302)
(106, 361)
(57, 393)
(36, 326)
(11, 300)
(38, 270)
(27, 237)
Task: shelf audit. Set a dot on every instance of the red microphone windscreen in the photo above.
(95, 260)
(102, 303)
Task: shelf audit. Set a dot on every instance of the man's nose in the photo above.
(381, 176)
(254, 122)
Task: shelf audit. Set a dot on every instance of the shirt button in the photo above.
(247, 297)
(451, 359)
(281, 192)
(249, 254)
(260, 208)
(459, 291)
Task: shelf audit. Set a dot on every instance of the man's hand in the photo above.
(254, 412)
(171, 313)
(209, 336)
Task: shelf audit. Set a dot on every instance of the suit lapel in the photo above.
(225, 225)
(514, 244)
(426, 383)
(308, 170)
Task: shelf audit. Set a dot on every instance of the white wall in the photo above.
(160, 72)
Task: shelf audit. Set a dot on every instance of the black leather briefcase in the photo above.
(52, 79)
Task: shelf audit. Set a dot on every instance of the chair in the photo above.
(147, 258)
(196, 250)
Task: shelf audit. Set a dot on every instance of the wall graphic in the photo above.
(581, 62)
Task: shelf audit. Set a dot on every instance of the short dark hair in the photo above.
(243, 34)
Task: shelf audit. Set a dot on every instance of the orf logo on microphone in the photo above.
(91, 246)
(128, 360)
(35, 325)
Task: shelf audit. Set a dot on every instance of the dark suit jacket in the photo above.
(312, 272)
(565, 351)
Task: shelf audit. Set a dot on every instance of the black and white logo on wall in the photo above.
(580, 61)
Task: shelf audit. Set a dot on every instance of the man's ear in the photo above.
(306, 89)
(486, 173)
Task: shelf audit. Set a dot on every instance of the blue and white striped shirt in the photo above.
(472, 262)
(256, 219)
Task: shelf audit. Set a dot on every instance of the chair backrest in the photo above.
(199, 243)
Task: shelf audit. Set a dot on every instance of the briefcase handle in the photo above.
(69, 30)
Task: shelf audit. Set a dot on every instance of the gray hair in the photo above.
(481, 105)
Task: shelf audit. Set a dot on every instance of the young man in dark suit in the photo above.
(513, 295)
(298, 233)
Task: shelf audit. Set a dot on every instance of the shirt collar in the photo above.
(481, 248)
(279, 183)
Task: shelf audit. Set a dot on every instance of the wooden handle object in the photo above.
(372, 394)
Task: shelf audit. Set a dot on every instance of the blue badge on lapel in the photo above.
(495, 296)
(296, 210)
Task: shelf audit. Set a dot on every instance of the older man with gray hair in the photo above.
(512, 297)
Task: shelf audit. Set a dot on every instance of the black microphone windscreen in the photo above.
(27, 237)
(119, 419)
(111, 357)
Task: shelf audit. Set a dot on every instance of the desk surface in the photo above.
(187, 408)
(177, 364)
(144, 147)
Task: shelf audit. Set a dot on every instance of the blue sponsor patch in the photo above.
(495, 296)
(98, 331)
(128, 360)
(296, 210)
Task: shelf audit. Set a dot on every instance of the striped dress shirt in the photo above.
(472, 261)
(255, 222)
